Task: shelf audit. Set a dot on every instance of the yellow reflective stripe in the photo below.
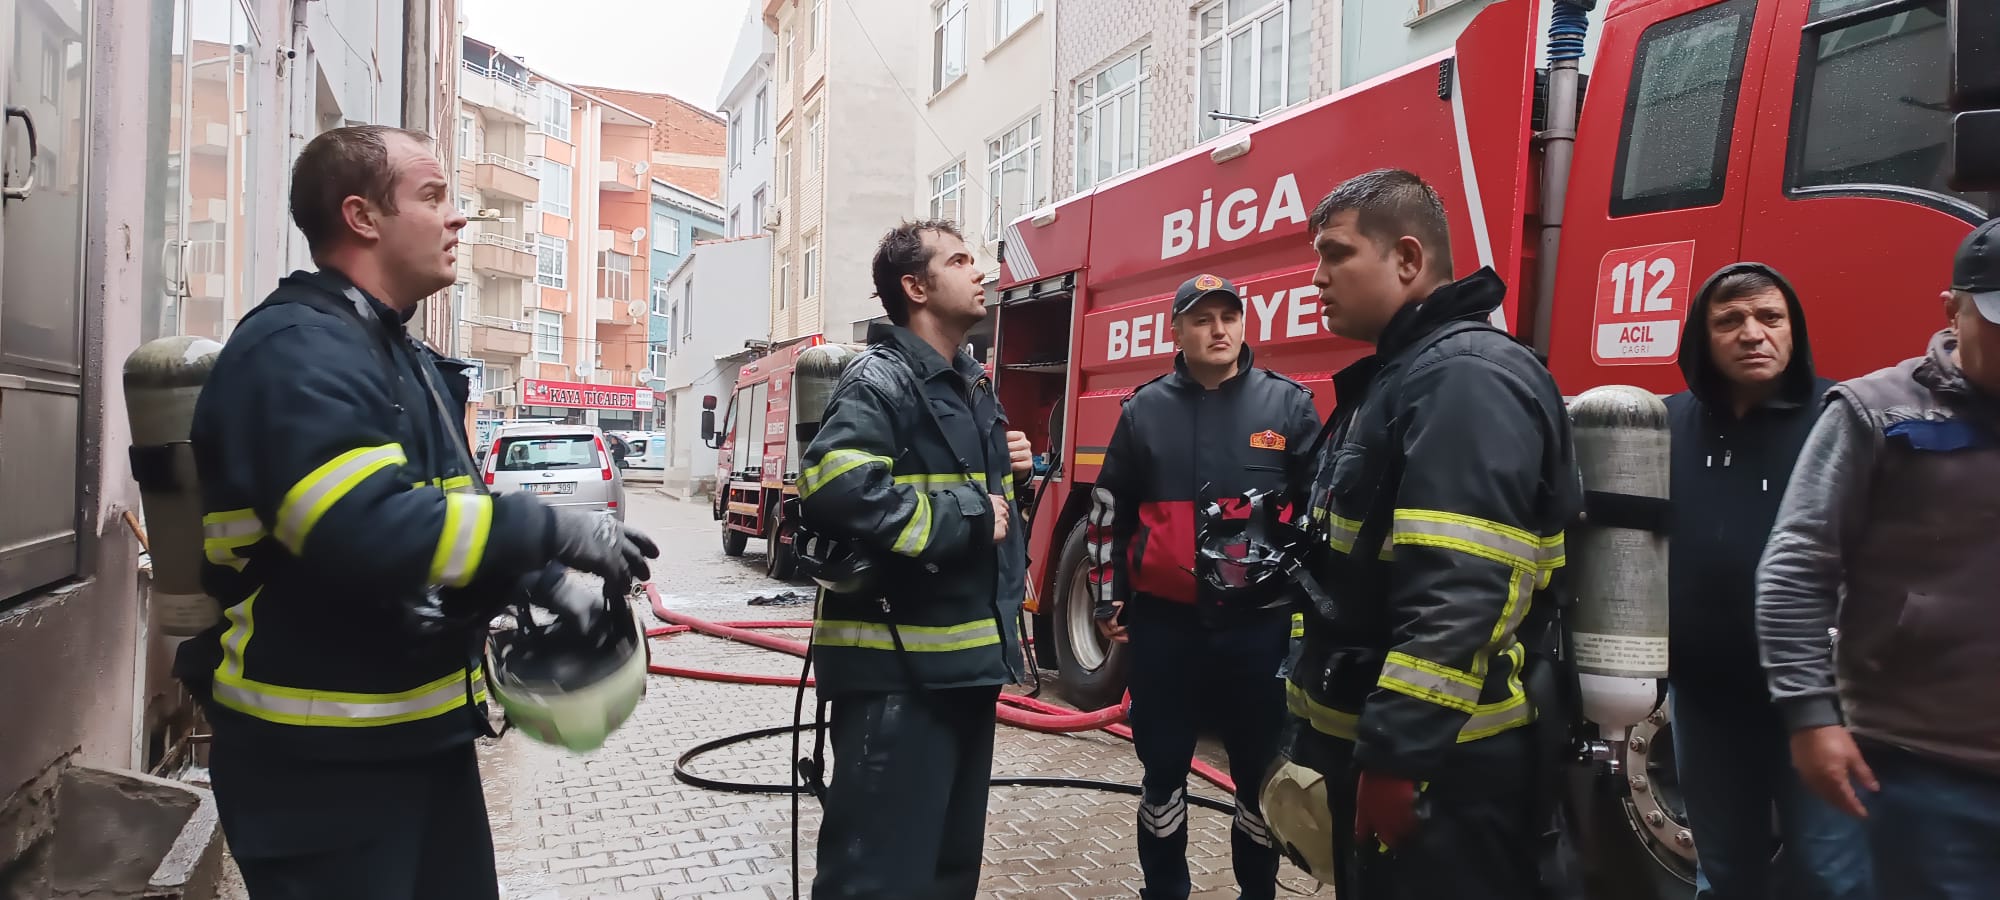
(1427, 681)
(345, 709)
(939, 481)
(308, 500)
(1323, 719)
(236, 640)
(454, 483)
(1472, 535)
(916, 638)
(224, 533)
(1340, 532)
(1298, 624)
(1512, 611)
(916, 534)
(835, 464)
(1489, 719)
(468, 519)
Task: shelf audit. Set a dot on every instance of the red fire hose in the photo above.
(1015, 710)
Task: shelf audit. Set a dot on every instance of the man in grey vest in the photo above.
(1890, 530)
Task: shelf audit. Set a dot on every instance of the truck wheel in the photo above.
(1090, 669)
(780, 558)
(1633, 827)
(733, 541)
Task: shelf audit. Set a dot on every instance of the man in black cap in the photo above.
(1207, 432)
(1890, 530)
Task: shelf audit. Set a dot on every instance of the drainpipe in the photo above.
(303, 74)
(1569, 22)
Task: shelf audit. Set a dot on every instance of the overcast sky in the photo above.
(679, 47)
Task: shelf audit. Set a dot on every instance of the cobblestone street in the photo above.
(618, 824)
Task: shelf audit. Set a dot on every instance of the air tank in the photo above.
(814, 376)
(1619, 623)
(162, 380)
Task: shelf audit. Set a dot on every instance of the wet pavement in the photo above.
(618, 823)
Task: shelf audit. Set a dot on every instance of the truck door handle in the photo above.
(27, 187)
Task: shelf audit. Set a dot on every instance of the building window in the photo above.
(687, 308)
(548, 336)
(947, 43)
(736, 221)
(783, 174)
(735, 141)
(555, 112)
(1680, 110)
(813, 145)
(1111, 120)
(757, 211)
(1254, 58)
(809, 286)
(552, 262)
(659, 298)
(762, 111)
(785, 41)
(614, 276)
(815, 24)
(667, 235)
(1010, 15)
(948, 192)
(784, 281)
(555, 187)
(656, 362)
(465, 131)
(1011, 172)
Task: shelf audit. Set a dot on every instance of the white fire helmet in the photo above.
(1295, 808)
(568, 693)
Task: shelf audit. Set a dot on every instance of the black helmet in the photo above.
(566, 686)
(1246, 553)
(833, 564)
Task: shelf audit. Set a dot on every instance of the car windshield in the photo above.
(558, 451)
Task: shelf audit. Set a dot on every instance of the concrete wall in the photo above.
(695, 220)
(870, 154)
(1007, 81)
(732, 281)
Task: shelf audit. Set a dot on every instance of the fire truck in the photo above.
(758, 458)
(1818, 136)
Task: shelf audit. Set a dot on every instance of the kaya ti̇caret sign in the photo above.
(576, 395)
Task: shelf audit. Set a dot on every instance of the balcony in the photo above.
(619, 174)
(494, 336)
(496, 174)
(501, 93)
(503, 256)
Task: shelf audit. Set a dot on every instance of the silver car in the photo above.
(565, 465)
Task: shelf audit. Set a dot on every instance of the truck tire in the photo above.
(1090, 671)
(780, 559)
(733, 541)
(1634, 837)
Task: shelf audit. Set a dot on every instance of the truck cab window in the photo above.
(1679, 110)
(1871, 114)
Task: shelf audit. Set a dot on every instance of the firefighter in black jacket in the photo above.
(1213, 428)
(913, 464)
(357, 558)
(1442, 495)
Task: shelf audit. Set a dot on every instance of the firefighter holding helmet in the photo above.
(1198, 461)
(1440, 496)
(359, 560)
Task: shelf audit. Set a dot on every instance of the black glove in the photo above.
(601, 545)
(572, 603)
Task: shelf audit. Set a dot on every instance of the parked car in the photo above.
(646, 450)
(565, 465)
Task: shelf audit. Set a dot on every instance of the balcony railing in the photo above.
(509, 163)
(511, 79)
(500, 240)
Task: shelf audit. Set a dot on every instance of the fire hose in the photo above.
(1021, 712)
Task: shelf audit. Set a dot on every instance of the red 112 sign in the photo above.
(1642, 303)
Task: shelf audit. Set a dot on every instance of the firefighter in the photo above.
(1207, 432)
(357, 557)
(1441, 495)
(914, 466)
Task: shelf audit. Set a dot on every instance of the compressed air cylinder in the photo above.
(162, 380)
(813, 378)
(1619, 623)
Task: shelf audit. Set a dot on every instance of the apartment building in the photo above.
(687, 140)
(746, 103)
(681, 219)
(717, 298)
(554, 299)
(164, 134)
(849, 82)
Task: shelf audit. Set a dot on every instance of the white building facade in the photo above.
(719, 298)
(746, 103)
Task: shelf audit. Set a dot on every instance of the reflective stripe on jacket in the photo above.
(909, 450)
(1442, 497)
(337, 496)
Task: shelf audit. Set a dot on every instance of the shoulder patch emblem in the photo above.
(1267, 440)
(1207, 283)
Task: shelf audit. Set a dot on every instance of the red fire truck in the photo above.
(1814, 135)
(757, 463)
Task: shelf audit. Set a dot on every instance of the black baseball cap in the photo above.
(1195, 289)
(1976, 269)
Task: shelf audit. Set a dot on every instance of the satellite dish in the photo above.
(583, 370)
(640, 168)
(639, 234)
(635, 308)
(647, 375)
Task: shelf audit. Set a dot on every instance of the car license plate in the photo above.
(560, 487)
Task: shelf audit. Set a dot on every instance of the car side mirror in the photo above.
(707, 425)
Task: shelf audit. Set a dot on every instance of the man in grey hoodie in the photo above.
(1890, 529)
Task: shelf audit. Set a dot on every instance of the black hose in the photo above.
(747, 787)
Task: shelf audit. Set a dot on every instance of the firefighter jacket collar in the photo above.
(1184, 379)
(1472, 298)
(336, 282)
(922, 357)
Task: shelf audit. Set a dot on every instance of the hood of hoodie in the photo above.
(1798, 386)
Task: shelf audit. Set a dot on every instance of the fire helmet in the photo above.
(838, 566)
(1248, 561)
(568, 686)
(1295, 808)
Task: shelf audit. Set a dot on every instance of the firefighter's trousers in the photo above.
(905, 808)
(1475, 838)
(1187, 676)
(404, 829)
